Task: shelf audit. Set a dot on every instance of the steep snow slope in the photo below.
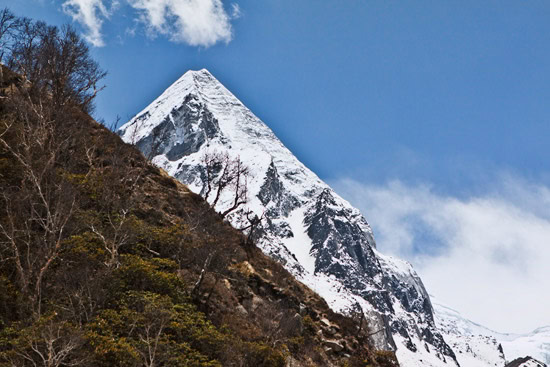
(317, 235)
(535, 344)
(474, 343)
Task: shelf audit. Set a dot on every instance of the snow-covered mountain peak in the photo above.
(196, 80)
(196, 77)
(202, 71)
(194, 87)
(317, 235)
(197, 113)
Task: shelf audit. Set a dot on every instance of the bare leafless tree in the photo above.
(56, 63)
(38, 211)
(58, 74)
(117, 236)
(250, 229)
(364, 332)
(49, 343)
(224, 174)
(9, 25)
(156, 319)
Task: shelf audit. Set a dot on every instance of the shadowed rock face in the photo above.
(317, 235)
(184, 131)
(334, 234)
(273, 193)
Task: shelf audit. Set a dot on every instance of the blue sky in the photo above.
(388, 100)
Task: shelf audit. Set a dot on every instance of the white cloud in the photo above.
(195, 22)
(487, 256)
(90, 13)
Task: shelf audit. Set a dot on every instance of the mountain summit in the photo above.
(317, 235)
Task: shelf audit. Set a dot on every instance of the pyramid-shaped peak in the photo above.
(196, 82)
(201, 72)
(204, 89)
(197, 76)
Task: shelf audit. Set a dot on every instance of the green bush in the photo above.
(141, 274)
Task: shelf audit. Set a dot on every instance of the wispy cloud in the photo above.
(236, 11)
(91, 14)
(485, 255)
(195, 22)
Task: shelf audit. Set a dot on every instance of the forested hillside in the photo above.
(107, 261)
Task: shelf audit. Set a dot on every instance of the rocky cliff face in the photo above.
(324, 241)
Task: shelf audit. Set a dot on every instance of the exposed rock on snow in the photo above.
(525, 362)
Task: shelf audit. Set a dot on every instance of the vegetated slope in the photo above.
(105, 260)
(316, 234)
